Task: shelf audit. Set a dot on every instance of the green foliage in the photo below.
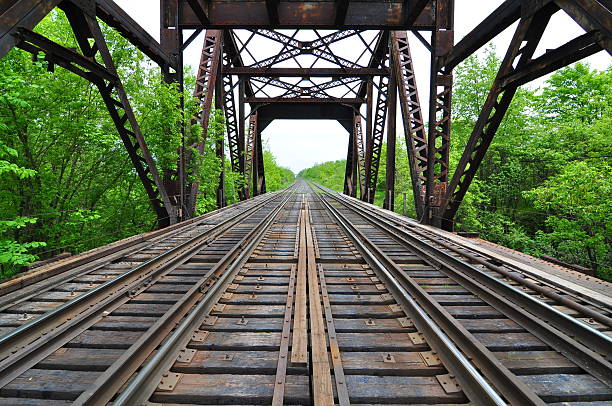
(66, 180)
(277, 177)
(14, 254)
(329, 174)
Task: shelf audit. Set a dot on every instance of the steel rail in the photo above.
(516, 275)
(48, 332)
(515, 271)
(13, 298)
(601, 342)
(472, 382)
(144, 383)
(550, 325)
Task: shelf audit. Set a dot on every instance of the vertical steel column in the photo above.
(206, 80)
(368, 138)
(374, 148)
(234, 139)
(359, 145)
(438, 139)
(249, 157)
(219, 142)
(171, 40)
(389, 202)
(241, 135)
(350, 175)
(261, 175)
(412, 117)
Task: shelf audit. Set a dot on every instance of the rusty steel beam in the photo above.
(412, 116)
(206, 79)
(249, 154)
(389, 199)
(199, 11)
(360, 150)
(304, 72)
(523, 45)
(308, 14)
(21, 14)
(56, 54)
(374, 146)
(350, 172)
(439, 131)
(592, 16)
(119, 107)
(268, 100)
(573, 51)
(234, 138)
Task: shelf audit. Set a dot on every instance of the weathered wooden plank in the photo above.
(80, 359)
(371, 325)
(32, 402)
(322, 384)
(379, 363)
(139, 309)
(49, 384)
(299, 344)
(264, 341)
(398, 389)
(511, 342)
(253, 324)
(234, 362)
(568, 387)
(104, 339)
(119, 323)
(252, 310)
(378, 342)
(237, 389)
(361, 311)
(537, 362)
(491, 326)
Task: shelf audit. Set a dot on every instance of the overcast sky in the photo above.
(299, 144)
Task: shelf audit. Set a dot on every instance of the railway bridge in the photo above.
(306, 295)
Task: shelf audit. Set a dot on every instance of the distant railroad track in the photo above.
(301, 297)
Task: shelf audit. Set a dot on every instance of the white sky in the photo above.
(299, 144)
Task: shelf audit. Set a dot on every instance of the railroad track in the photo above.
(305, 298)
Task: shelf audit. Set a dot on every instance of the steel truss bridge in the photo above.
(256, 73)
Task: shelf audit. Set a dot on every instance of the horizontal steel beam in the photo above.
(269, 100)
(62, 56)
(305, 14)
(304, 72)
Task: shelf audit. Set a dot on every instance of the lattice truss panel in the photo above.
(305, 49)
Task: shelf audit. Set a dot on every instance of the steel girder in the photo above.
(389, 200)
(438, 137)
(360, 146)
(375, 141)
(206, 80)
(270, 14)
(412, 116)
(352, 158)
(249, 155)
